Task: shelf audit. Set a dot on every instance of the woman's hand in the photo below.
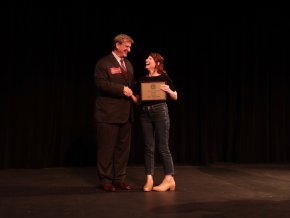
(172, 94)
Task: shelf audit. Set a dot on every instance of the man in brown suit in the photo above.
(113, 114)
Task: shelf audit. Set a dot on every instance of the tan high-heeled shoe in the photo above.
(167, 184)
(149, 184)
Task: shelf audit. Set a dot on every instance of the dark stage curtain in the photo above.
(231, 71)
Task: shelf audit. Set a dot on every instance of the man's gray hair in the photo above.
(120, 38)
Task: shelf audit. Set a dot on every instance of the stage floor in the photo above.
(219, 190)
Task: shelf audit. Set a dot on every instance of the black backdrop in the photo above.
(231, 70)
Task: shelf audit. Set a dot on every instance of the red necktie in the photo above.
(124, 68)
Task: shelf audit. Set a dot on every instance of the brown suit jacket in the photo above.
(111, 104)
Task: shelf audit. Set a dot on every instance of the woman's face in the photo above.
(150, 63)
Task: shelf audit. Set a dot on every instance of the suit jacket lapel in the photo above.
(127, 79)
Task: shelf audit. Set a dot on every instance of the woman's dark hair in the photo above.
(159, 60)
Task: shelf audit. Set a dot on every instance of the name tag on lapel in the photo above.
(115, 70)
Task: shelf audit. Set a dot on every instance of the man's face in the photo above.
(122, 49)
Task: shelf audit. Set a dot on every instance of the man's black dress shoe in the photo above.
(123, 186)
(109, 187)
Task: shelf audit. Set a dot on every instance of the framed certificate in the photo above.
(150, 91)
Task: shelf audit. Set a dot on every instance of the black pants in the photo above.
(113, 141)
(155, 123)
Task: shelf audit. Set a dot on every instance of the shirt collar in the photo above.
(117, 57)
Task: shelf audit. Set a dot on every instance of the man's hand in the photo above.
(127, 91)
